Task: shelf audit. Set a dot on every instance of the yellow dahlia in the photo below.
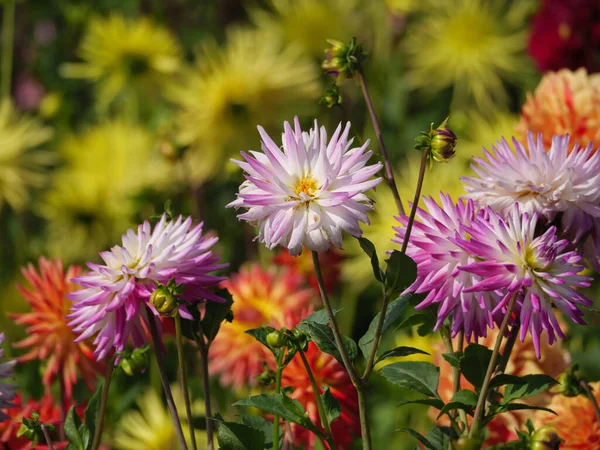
(261, 297)
(126, 55)
(575, 422)
(252, 79)
(49, 338)
(469, 46)
(21, 165)
(151, 427)
(564, 102)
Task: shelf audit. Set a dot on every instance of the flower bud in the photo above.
(342, 60)
(467, 443)
(135, 362)
(442, 145)
(276, 339)
(164, 302)
(331, 97)
(267, 377)
(545, 439)
(568, 385)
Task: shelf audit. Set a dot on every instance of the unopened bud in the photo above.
(136, 362)
(568, 385)
(276, 339)
(331, 97)
(31, 429)
(467, 443)
(165, 303)
(439, 143)
(342, 60)
(267, 377)
(545, 438)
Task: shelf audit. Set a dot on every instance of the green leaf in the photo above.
(523, 406)
(400, 351)
(331, 405)
(281, 405)
(466, 397)
(425, 320)
(451, 406)
(420, 376)
(322, 335)
(368, 247)
(504, 378)
(439, 437)
(189, 328)
(401, 271)
(532, 385)
(453, 358)
(91, 412)
(237, 436)
(435, 402)
(71, 427)
(474, 364)
(393, 313)
(321, 316)
(418, 436)
(215, 313)
(260, 423)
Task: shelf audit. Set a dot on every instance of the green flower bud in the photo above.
(135, 362)
(439, 143)
(267, 377)
(165, 303)
(343, 60)
(467, 443)
(276, 339)
(331, 97)
(545, 439)
(568, 385)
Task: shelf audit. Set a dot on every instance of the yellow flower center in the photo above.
(308, 185)
(564, 31)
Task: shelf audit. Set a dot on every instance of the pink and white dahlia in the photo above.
(308, 191)
(434, 246)
(547, 182)
(511, 259)
(112, 303)
(7, 394)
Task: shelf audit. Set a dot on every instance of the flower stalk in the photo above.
(591, 397)
(103, 402)
(47, 437)
(415, 205)
(8, 35)
(203, 350)
(183, 380)
(278, 373)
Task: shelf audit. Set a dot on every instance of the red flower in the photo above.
(330, 265)
(566, 34)
(49, 338)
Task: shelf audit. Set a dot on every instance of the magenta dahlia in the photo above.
(308, 191)
(112, 303)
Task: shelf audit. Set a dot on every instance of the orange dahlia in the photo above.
(575, 422)
(327, 372)
(49, 338)
(564, 102)
(261, 297)
(49, 412)
(330, 265)
(523, 361)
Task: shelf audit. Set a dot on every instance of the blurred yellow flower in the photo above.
(92, 199)
(254, 79)
(151, 428)
(21, 166)
(468, 45)
(122, 54)
(309, 23)
(481, 132)
(444, 177)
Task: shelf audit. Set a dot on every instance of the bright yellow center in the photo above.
(307, 185)
(564, 31)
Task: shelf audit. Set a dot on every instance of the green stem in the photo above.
(377, 338)
(8, 34)
(490, 370)
(415, 205)
(164, 379)
(389, 174)
(47, 437)
(364, 420)
(319, 400)
(277, 391)
(103, 402)
(203, 350)
(183, 379)
(63, 409)
(591, 397)
(445, 332)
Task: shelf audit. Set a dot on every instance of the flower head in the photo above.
(327, 372)
(6, 390)
(234, 87)
(307, 194)
(434, 247)
(22, 166)
(111, 303)
(575, 421)
(122, 54)
(564, 102)
(261, 297)
(49, 338)
(539, 270)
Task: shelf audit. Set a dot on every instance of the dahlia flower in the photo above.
(564, 102)
(6, 390)
(310, 192)
(542, 182)
(540, 270)
(112, 303)
(327, 372)
(435, 246)
(260, 297)
(575, 421)
(49, 338)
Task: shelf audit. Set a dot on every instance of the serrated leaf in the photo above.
(453, 358)
(465, 396)
(474, 364)
(215, 313)
(91, 411)
(237, 436)
(400, 351)
(504, 378)
(331, 405)
(523, 406)
(451, 406)
(532, 385)
(439, 437)
(369, 249)
(322, 335)
(260, 423)
(401, 271)
(393, 314)
(435, 402)
(419, 376)
(71, 427)
(321, 316)
(418, 436)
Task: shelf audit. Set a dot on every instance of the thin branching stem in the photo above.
(183, 380)
(103, 403)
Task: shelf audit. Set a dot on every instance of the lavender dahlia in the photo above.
(307, 192)
(6, 390)
(112, 303)
(511, 259)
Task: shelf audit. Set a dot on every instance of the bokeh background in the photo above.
(111, 108)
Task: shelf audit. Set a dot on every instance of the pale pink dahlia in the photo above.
(308, 191)
(512, 260)
(6, 390)
(560, 180)
(433, 246)
(114, 295)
